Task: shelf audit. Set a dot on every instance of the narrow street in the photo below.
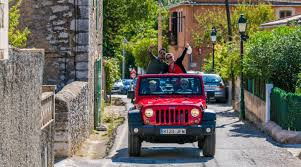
(238, 145)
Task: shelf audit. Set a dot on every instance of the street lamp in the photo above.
(242, 26)
(123, 58)
(213, 40)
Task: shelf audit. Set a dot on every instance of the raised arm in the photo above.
(149, 52)
(181, 58)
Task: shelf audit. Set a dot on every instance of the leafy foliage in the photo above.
(275, 56)
(227, 60)
(298, 86)
(112, 72)
(139, 50)
(227, 55)
(135, 20)
(17, 37)
(124, 19)
(213, 17)
(171, 2)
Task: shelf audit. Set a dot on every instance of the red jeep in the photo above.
(171, 108)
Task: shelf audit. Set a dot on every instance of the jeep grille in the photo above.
(173, 116)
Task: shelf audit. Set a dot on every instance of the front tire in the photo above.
(209, 145)
(201, 143)
(134, 145)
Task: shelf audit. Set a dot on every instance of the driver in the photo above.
(184, 86)
(152, 88)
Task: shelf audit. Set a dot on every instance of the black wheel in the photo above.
(209, 146)
(201, 143)
(134, 145)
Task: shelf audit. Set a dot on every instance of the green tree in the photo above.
(139, 51)
(227, 61)
(124, 19)
(17, 37)
(275, 56)
(298, 86)
(111, 67)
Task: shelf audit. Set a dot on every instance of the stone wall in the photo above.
(72, 38)
(255, 108)
(20, 106)
(236, 95)
(72, 118)
(64, 28)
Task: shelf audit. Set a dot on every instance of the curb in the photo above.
(110, 143)
(283, 136)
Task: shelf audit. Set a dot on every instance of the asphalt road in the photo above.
(239, 144)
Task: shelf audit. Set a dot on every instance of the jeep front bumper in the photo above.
(193, 130)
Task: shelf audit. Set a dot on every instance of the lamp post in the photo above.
(123, 58)
(213, 40)
(242, 26)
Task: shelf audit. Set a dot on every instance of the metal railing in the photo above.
(48, 105)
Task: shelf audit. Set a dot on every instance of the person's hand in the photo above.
(151, 47)
(187, 45)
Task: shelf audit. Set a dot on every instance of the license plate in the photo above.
(210, 87)
(172, 131)
(210, 94)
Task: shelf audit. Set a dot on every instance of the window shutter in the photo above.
(174, 30)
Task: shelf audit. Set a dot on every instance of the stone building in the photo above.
(70, 31)
(183, 23)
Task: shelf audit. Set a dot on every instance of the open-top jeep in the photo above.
(171, 108)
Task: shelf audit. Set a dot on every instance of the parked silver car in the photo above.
(214, 87)
(118, 88)
(122, 86)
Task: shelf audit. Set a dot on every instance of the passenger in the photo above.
(157, 65)
(152, 88)
(176, 66)
(184, 86)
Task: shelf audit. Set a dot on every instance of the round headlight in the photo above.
(149, 112)
(195, 112)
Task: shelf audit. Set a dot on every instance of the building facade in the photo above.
(70, 31)
(182, 24)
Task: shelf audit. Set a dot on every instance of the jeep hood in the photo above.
(172, 101)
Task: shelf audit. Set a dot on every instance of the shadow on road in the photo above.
(246, 130)
(162, 155)
(228, 113)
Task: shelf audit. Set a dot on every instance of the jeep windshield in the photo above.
(170, 86)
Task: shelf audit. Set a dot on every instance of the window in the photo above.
(173, 35)
(285, 13)
(1, 15)
(180, 21)
(171, 85)
(176, 27)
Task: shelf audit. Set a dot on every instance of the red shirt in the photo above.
(174, 69)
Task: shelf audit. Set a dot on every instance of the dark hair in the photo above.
(162, 49)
